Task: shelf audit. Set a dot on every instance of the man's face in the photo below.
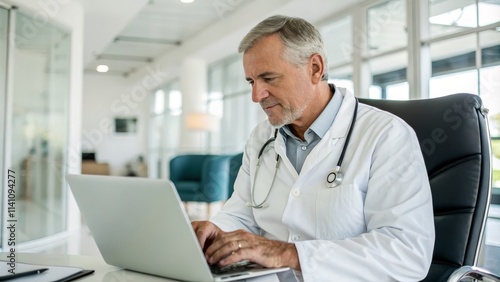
(281, 88)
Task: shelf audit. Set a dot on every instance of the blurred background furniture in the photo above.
(454, 139)
(205, 178)
(234, 167)
(200, 177)
(91, 166)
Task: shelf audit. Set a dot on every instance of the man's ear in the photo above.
(317, 68)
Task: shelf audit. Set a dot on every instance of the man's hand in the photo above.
(206, 232)
(231, 247)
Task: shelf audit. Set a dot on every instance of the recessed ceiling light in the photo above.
(187, 1)
(102, 68)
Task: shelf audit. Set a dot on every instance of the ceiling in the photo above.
(159, 27)
(159, 33)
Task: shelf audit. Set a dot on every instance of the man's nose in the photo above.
(259, 92)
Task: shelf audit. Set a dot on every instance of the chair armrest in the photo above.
(474, 273)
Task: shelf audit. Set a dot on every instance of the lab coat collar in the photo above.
(342, 122)
(339, 129)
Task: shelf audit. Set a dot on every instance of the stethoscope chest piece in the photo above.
(334, 178)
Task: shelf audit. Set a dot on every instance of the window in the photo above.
(450, 16)
(229, 97)
(337, 36)
(453, 66)
(386, 49)
(175, 102)
(387, 27)
(489, 89)
(458, 82)
(165, 122)
(398, 91)
(389, 75)
(159, 102)
(488, 11)
(490, 93)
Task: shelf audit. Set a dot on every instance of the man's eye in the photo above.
(269, 79)
(250, 82)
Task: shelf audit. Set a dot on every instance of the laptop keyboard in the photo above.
(233, 268)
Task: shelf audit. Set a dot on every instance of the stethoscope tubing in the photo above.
(334, 175)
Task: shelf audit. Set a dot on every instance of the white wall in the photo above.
(106, 97)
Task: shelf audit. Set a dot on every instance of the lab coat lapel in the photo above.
(281, 150)
(337, 132)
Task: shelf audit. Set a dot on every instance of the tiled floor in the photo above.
(82, 243)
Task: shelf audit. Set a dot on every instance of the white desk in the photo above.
(103, 272)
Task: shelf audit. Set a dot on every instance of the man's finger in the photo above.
(204, 231)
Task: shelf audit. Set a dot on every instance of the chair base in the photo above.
(474, 273)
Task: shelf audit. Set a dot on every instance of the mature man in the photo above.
(334, 189)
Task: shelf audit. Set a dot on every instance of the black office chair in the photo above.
(454, 138)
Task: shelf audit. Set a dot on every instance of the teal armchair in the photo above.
(201, 178)
(234, 167)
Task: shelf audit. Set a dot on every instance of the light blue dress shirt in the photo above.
(296, 149)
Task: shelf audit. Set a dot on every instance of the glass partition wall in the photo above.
(36, 115)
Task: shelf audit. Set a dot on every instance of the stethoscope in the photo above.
(334, 178)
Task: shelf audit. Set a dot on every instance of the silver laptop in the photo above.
(140, 224)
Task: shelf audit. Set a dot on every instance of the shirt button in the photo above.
(304, 148)
(296, 192)
(295, 237)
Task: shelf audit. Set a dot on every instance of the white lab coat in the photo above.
(377, 226)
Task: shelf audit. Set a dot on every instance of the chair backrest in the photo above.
(187, 167)
(214, 180)
(234, 167)
(200, 177)
(454, 138)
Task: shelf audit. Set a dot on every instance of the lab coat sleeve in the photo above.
(399, 240)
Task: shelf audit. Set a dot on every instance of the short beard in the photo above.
(289, 116)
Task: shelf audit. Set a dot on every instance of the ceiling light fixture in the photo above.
(102, 68)
(187, 1)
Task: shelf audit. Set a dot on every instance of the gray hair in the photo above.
(301, 39)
